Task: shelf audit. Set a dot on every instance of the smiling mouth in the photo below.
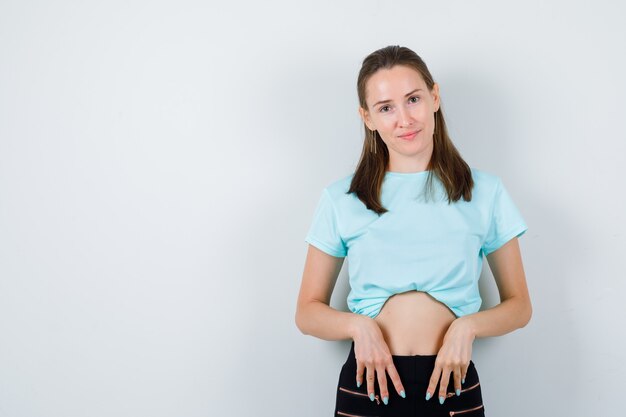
(409, 135)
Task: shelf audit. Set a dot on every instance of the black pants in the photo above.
(415, 372)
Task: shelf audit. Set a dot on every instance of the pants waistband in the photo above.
(411, 368)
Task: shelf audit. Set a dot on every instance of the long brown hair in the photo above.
(446, 161)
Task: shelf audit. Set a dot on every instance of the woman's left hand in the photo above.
(453, 357)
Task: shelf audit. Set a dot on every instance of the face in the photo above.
(401, 109)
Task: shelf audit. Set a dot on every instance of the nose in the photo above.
(404, 118)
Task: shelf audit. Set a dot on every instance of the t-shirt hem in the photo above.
(518, 231)
(373, 310)
(324, 247)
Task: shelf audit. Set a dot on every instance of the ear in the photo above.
(365, 116)
(436, 98)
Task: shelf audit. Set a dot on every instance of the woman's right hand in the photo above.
(373, 356)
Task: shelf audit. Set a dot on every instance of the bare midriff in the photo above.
(414, 323)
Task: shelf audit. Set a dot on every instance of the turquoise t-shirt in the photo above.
(419, 244)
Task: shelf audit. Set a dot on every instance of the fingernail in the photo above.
(458, 392)
(358, 384)
(403, 394)
(463, 381)
(386, 400)
(427, 396)
(440, 400)
(372, 396)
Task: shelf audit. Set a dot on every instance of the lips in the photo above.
(410, 134)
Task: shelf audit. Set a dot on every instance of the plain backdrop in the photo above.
(160, 162)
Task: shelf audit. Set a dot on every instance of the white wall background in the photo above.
(160, 163)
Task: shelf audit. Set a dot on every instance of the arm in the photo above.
(513, 312)
(314, 316)
(515, 309)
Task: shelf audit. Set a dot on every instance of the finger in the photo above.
(432, 385)
(443, 385)
(457, 381)
(395, 378)
(464, 373)
(360, 368)
(370, 382)
(382, 385)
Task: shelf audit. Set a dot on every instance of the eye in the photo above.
(383, 107)
(414, 97)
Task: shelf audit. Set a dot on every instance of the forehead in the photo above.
(393, 82)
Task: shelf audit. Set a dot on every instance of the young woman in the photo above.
(415, 222)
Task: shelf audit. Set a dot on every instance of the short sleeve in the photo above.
(506, 221)
(324, 230)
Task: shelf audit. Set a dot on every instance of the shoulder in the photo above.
(486, 185)
(338, 188)
(481, 176)
(345, 204)
(485, 180)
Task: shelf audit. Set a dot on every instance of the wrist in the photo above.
(357, 321)
(467, 324)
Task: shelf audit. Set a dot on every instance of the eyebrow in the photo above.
(406, 95)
